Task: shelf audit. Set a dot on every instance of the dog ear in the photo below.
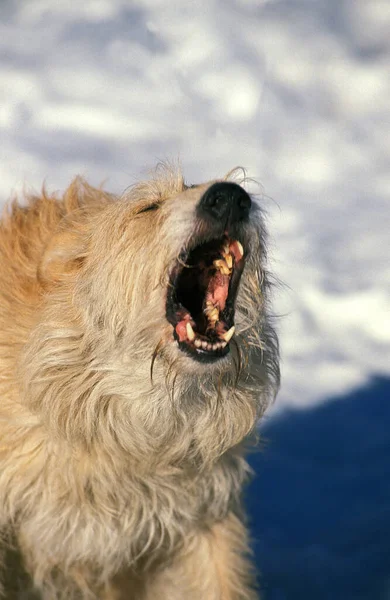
(64, 254)
(66, 251)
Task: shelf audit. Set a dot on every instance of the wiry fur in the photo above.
(120, 458)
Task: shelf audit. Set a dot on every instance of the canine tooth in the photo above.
(190, 332)
(204, 345)
(228, 335)
(226, 249)
(240, 248)
(198, 343)
(223, 344)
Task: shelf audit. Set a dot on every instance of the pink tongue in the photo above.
(218, 289)
(217, 293)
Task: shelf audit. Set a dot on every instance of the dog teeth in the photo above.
(228, 335)
(211, 312)
(199, 343)
(240, 248)
(213, 316)
(221, 265)
(190, 332)
(229, 260)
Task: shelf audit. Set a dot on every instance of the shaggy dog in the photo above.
(136, 357)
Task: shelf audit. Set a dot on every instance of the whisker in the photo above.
(156, 352)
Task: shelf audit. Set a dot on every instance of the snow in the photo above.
(296, 91)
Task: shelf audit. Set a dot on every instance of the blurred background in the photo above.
(297, 92)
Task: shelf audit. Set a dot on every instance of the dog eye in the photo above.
(153, 206)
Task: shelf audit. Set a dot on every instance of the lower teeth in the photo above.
(198, 343)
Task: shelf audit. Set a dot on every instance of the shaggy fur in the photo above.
(121, 458)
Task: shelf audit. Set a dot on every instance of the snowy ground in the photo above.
(297, 91)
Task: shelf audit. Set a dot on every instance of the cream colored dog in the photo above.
(136, 356)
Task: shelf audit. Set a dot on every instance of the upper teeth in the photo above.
(240, 248)
(225, 263)
(211, 312)
(229, 260)
(221, 265)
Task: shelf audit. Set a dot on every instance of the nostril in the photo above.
(219, 200)
(216, 204)
(212, 200)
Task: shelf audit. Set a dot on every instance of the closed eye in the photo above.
(153, 206)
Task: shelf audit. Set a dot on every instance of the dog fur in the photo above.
(121, 458)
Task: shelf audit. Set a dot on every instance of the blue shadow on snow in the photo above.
(319, 506)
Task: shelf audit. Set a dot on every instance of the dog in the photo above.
(136, 357)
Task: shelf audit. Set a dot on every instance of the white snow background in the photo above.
(296, 91)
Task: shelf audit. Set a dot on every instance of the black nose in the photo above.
(225, 202)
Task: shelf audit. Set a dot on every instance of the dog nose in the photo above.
(226, 202)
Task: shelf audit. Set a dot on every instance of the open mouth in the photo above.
(201, 297)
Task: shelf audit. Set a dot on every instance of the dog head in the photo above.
(178, 272)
